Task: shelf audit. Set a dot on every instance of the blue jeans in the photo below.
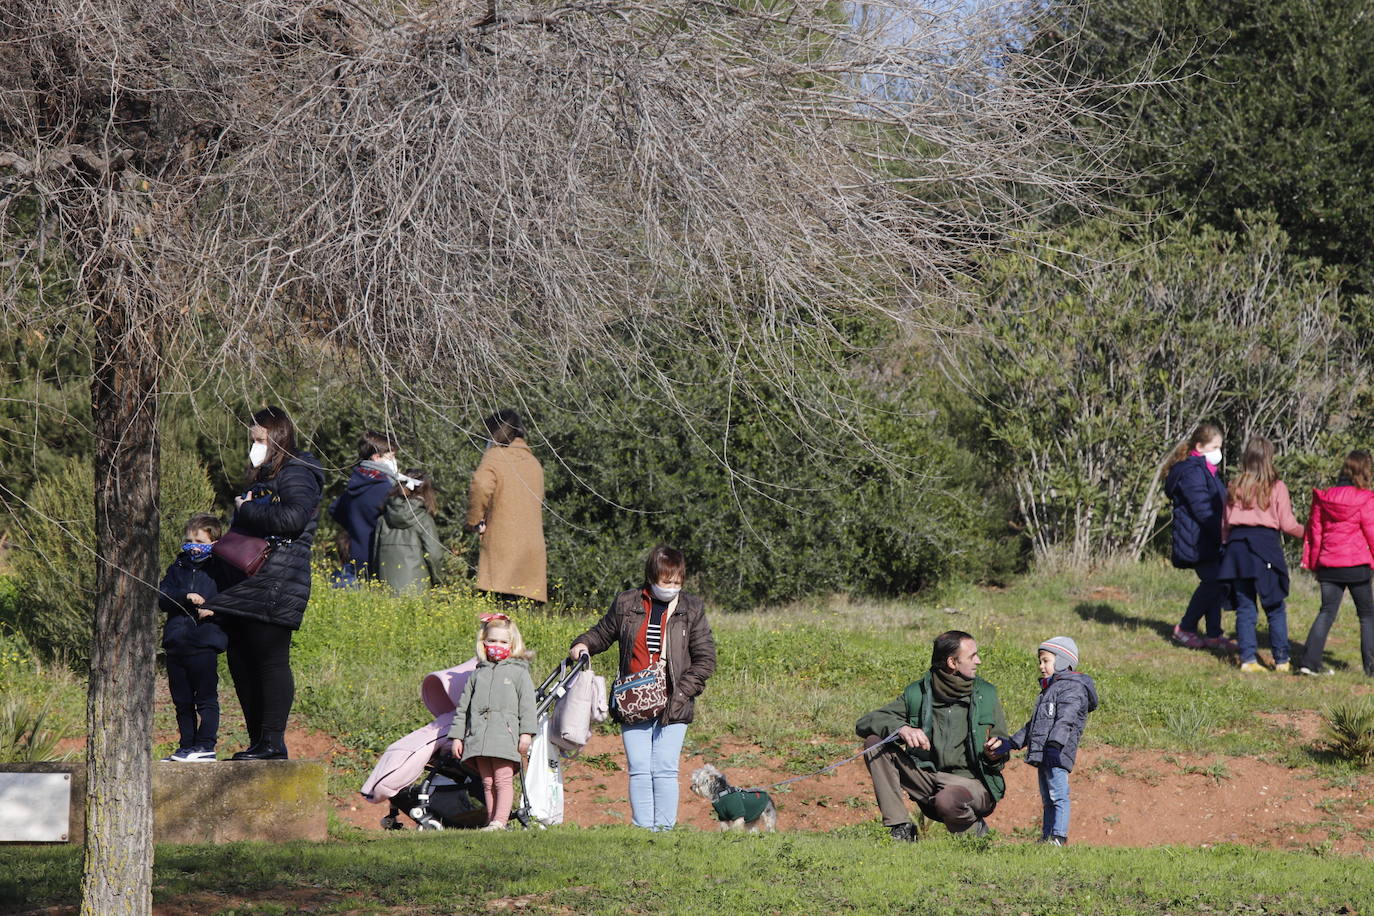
(1206, 600)
(1247, 613)
(1054, 795)
(652, 752)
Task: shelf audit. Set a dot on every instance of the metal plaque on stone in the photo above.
(35, 807)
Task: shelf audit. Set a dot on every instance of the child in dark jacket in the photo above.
(192, 640)
(1051, 736)
(357, 510)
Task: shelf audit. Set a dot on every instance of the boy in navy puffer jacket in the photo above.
(1052, 734)
(193, 640)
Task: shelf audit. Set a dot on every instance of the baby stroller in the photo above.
(566, 705)
(449, 793)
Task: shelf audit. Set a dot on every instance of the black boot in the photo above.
(270, 747)
(250, 752)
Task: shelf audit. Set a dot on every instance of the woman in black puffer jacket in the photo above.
(260, 612)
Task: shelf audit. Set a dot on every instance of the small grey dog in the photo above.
(735, 808)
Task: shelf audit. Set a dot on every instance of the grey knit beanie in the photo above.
(1064, 650)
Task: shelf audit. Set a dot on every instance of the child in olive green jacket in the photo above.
(497, 714)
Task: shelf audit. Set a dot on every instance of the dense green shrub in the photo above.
(54, 558)
(1093, 356)
(1236, 105)
(844, 478)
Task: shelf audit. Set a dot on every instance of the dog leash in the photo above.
(827, 768)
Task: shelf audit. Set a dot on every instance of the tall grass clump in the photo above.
(1349, 728)
(25, 735)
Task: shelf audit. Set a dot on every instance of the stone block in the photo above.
(223, 802)
(269, 800)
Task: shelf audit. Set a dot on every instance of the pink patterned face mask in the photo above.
(496, 653)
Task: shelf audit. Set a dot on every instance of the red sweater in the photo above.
(1340, 531)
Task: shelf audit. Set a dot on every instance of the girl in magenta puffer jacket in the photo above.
(1339, 548)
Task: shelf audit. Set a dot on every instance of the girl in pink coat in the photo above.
(1339, 548)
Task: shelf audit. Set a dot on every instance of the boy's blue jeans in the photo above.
(1054, 795)
(1247, 614)
(652, 752)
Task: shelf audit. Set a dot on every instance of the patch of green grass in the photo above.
(793, 680)
(853, 870)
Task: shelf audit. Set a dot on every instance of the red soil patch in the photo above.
(1133, 798)
(1120, 798)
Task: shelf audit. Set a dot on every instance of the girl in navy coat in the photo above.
(1193, 483)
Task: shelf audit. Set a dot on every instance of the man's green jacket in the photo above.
(913, 708)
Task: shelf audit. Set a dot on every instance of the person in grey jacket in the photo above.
(1051, 736)
(497, 714)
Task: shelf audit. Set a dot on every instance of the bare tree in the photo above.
(470, 193)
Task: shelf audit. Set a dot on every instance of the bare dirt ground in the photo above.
(1133, 798)
(1120, 798)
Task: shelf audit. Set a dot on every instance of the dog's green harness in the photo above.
(740, 804)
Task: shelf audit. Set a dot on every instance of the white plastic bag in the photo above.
(543, 784)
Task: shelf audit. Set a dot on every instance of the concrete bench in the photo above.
(223, 802)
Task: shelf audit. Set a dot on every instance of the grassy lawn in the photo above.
(787, 677)
(618, 870)
(791, 681)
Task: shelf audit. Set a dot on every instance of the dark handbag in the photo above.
(244, 552)
(640, 696)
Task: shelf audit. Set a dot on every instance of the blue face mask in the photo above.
(196, 551)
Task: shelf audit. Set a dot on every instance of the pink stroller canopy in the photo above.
(441, 690)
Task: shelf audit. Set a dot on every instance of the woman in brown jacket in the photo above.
(653, 623)
(505, 508)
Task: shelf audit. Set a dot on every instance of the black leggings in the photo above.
(1332, 592)
(259, 658)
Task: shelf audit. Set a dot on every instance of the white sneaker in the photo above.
(191, 755)
(1308, 672)
(494, 826)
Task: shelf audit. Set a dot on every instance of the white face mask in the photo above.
(1213, 457)
(388, 463)
(665, 592)
(257, 454)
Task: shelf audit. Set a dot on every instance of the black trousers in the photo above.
(1332, 592)
(193, 679)
(259, 658)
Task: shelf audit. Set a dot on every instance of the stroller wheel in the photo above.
(429, 823)
(390, 823)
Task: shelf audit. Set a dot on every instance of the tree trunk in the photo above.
(118, 869)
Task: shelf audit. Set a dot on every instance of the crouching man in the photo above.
(941, 758)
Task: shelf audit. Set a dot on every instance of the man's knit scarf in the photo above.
(950, 686)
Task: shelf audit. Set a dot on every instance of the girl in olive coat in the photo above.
(497, 714)
(406, 551)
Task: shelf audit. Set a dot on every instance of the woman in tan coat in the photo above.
(505, 508)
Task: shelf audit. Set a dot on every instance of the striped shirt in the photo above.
(649, 642)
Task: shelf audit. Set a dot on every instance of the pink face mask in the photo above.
(496, 653)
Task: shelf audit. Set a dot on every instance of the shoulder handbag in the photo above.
(643, 695)
(244, 552)
(640, 696)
